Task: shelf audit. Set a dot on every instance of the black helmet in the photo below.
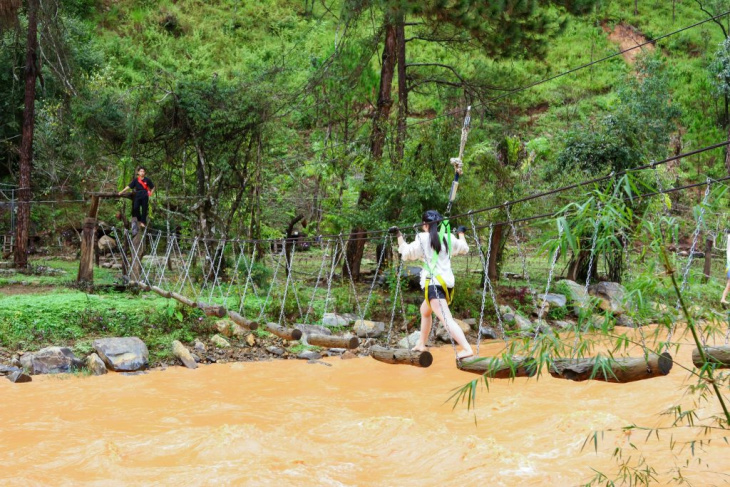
(431, 216)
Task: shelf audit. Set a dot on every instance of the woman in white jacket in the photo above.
(437, 278)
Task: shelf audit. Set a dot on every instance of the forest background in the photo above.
(345, 113)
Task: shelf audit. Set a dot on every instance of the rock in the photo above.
(200, 346)
(508, 318)
(563, 325)
(307, 329)
(107, 265)
(554, 300)
(220, 342)
(95, 365)
(444, 336)
(577, 294)
(117, 267)
(336, 351)
(470, 321)
(368, 329)
(523, 323)
(250, 340)
(488, 332)
(332, 319)
(224, 327)
(106, 244)
(278, 351)
(123, 354)
(18, 377)
(506, 310)
(7, 370)
(348, 355)
(611, 295)
(309, 355)
(350, 317)
(625, 320)
(195, 357)
(15, 361)
(412, 277)
(50, 360)
(183, 354)
(410, 341)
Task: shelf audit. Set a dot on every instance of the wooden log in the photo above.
(136, 253)
(719, 355)
(160, 291)
(213, 310)
(498, 368)
(244, 322)
(285, 333)
(184, 300)
(143, 286)
(401, 356)
(329, 341)
(621, 370)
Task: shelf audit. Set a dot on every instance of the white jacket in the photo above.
(415, 250)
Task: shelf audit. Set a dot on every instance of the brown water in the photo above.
(355, 422)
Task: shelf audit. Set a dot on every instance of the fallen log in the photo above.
(498, 368)
(213, 310)
(285, 333)
(329, 341)
(184, 300)
(240, 320)
(143, 286)
(401, 356)
(718, 355)
(620, 370)
(160, 291)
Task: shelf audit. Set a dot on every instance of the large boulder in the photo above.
(335, 320)
(577, 294)
(411, 276)
(95, 365)
(554, 300)
(50, 360)
(7, 369)
(610, 295)
(220, 342)
(368, 329)
(410, 341)
(126, 354)
(312, 329)
(444, 336)
(18, 377)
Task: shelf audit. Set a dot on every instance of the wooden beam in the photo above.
(329, 341)
(718, 355)
(213, 310)
(498, 368)
(285, 333)
(183, 300)
(244, 322)
(620, 370)
(401, 356)
(161, 292)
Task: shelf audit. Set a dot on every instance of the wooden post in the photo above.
(86, 265)
(497, 368)
(401, 356)
(718, 355)
(136, 253)
(329, 341)
(624, 369)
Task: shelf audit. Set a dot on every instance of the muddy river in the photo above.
(341, 422)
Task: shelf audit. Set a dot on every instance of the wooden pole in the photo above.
(497, 368)
(161, 292)
(86, 265)
(718, 355)
(285, 333)
(401, 356)
(624, 369)
(184, 300)
(213, 310)
(244, 322)
(329, 341)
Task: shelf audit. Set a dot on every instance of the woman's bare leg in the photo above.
(454, 330)
(426, 322)
(723, 300)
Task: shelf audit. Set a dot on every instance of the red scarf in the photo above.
(144, 185)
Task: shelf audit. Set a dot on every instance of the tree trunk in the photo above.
(400, 137)
(708, 260)
(26, 145)
(385, 102)
(493, 265)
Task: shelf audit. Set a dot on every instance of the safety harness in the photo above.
(144, 185)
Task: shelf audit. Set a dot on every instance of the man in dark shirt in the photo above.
(143, 188)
